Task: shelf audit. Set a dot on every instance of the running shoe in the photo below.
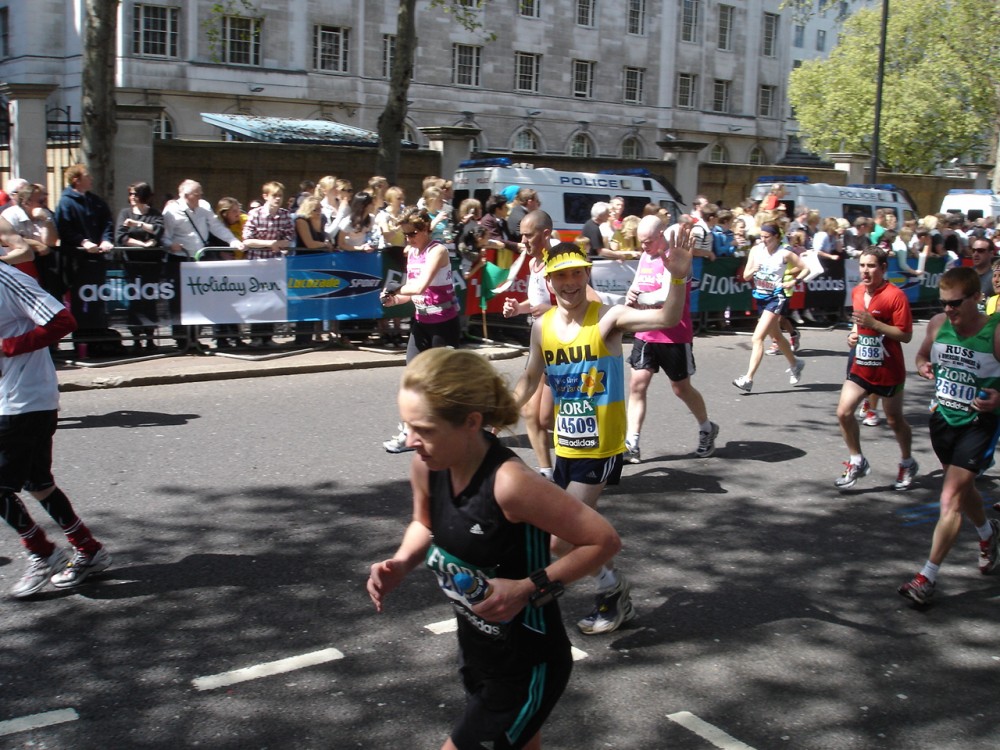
(919, 590)
(81, 567)
(907, 475)
(796, 339)
(611, 610)
(852, 473)
(773, 349)
(988, 550)
(864, 409)
(872, 419)
(706, 441)
(744, 383)
(795, 372)
(397, 443)
(632, 453)
(40, 570)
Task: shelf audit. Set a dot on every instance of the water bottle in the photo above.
(476, 588)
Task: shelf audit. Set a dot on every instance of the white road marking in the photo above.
(265, 670)
(450, 626)
(707, 731)
(445, 626)
(37, 721)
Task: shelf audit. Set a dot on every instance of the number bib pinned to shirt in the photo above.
(576, 424)
(869, 352)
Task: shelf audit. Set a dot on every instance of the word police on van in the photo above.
(566, 196)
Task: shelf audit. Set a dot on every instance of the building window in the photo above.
(799, 38)
(163, 128)
(718, 154)
(756, 157)
(585, 12)
(634, 80)
(687, 91)
(526, 71)
(465, 65)
(530, 8)
(331, 47)
(766, 101)
(581, 146)
(583, 79)
(821, 40)
(526, 142)
(388, 54)
(154, 31)
(720, 95)
(636, 17)
(796, 64)
(690, 11)
(631, 148)
(241, 40)
(770, 45)
(727, 14)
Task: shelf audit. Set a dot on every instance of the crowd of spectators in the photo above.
(74, 240)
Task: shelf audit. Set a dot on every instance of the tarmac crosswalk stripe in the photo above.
(37, 721)
(265, 670)
(707, 732)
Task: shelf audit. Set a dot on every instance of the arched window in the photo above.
(163, 128)
(581, 146)
(756, 156)
(718, 154)
(631, 148)
(410, 133)
(526, 141)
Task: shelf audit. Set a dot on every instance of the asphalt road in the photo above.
(243, 515)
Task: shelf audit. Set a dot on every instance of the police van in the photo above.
(973, 204)
(566, 196)
(839, 201)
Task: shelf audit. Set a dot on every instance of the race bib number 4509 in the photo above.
(576, 424)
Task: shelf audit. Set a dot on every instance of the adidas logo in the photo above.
(476, 529)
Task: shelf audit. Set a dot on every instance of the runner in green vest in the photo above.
(960, 354)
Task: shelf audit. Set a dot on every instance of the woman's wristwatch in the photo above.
(545, 590)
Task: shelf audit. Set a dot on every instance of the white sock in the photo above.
(606, 579)
(546, 472)
(985, 531)
(633, 440)
(858, 459)
(930, 571)
(705, 426)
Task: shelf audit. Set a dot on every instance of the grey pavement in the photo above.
(78, 375)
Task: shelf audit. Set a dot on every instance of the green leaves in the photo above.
(941, 95)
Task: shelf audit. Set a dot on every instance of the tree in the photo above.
(941, 85)
(99, 123)
(391, 121)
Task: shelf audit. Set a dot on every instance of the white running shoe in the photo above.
(744, 383)
(40, 570)
(795, 373)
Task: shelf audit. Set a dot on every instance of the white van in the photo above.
(973, 204)
(839, 201)
(566, 196)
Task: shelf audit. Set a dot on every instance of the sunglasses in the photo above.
(947, 303)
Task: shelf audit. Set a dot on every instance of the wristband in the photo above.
(678, 282)
(546, 590)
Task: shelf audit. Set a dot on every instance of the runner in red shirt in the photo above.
(882, 324)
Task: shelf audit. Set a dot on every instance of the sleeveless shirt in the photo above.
(438, 303)
(588, 388)
(472, 535)
(962, 367)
